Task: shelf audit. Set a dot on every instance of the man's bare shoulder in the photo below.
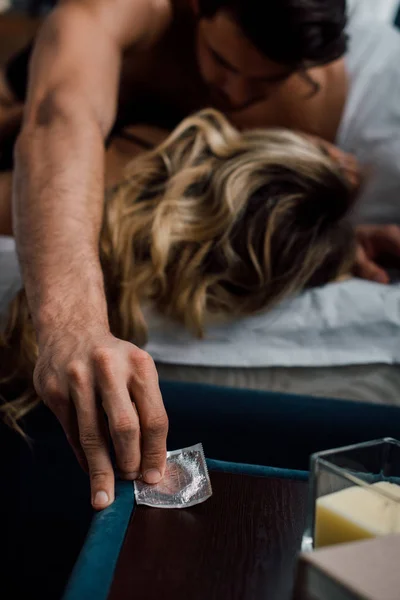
(128, 21)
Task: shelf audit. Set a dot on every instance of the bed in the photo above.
(282, 352)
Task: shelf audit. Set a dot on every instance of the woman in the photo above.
(210, 223)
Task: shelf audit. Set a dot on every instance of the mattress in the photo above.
(373, 383)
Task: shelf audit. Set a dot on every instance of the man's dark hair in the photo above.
(296, 33)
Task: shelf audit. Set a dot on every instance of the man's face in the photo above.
(236, 72)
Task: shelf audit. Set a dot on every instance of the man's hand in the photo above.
(83, 373)
(373, 243)
(84, 376)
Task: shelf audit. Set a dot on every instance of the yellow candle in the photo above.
(357, 513)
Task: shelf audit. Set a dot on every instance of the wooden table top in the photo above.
(239, 545)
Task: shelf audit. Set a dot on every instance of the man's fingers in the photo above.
(124, 427)
(92, 436)
(69, 423)
(61, 406)
(92, 432)
(153, 417)
(367, 269)
(123, 420)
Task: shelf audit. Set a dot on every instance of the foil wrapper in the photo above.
(186, 481)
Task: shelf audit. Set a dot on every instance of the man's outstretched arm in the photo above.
(57, 213)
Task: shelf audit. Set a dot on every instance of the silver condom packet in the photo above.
(186, 481)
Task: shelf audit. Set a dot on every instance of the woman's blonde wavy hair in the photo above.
(211, 221)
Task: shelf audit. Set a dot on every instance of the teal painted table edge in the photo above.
(94, 570)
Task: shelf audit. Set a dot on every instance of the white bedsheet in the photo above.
(349, 323)
(370, 125)
(379, 10)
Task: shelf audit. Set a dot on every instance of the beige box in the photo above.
(367, 570)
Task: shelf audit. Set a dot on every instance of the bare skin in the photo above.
(84, 373)
(120, 152)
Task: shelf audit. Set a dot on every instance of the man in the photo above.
(263, 63)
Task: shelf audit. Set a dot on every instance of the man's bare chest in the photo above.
(164, 85)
